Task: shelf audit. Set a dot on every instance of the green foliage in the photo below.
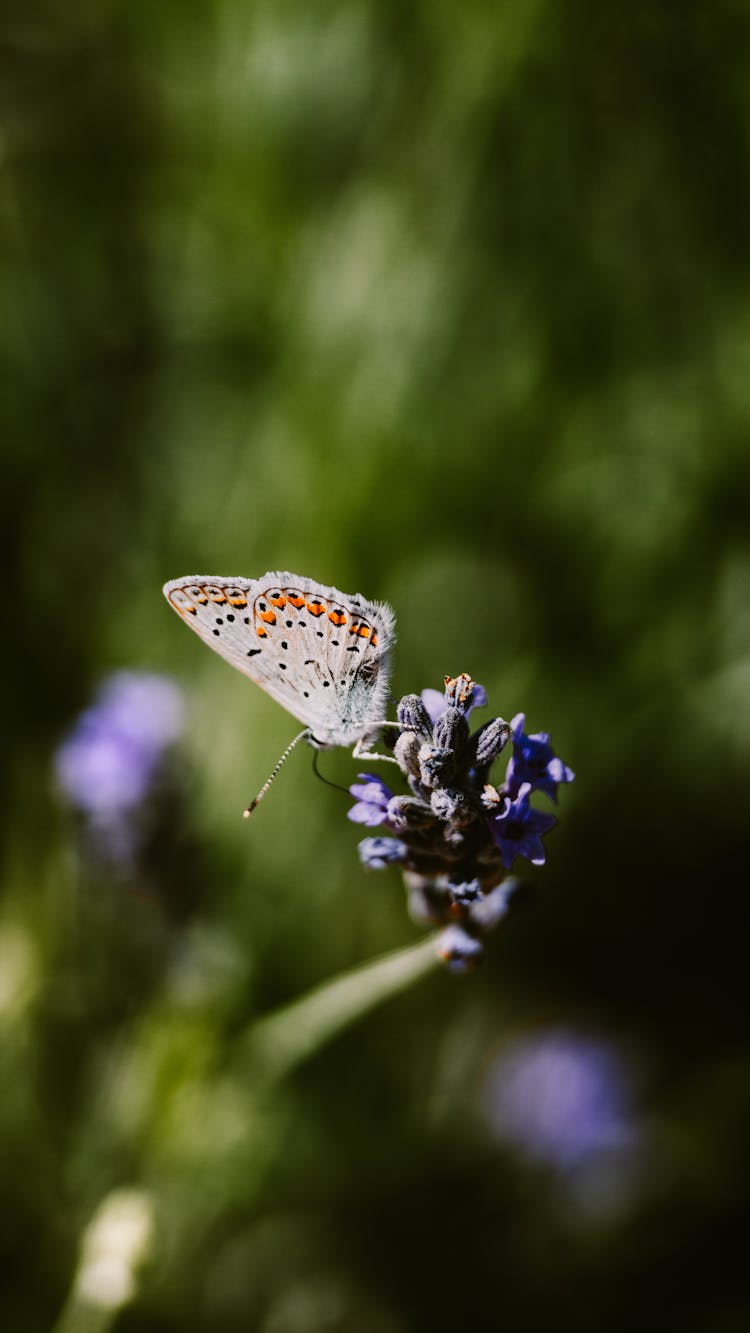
(448, 304)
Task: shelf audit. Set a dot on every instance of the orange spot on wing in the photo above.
(239, 600)
(181, 602)
(374, 639)
(337, 617)
(269, 617)
(217, 595)
(364, 631)
(261, 632)
(316, 608)
(297, 601)
(278, 601)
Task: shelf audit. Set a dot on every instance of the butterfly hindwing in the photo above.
(320, 653)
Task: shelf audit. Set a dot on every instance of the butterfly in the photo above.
(322, 654)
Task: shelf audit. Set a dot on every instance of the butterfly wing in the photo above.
(322, 654)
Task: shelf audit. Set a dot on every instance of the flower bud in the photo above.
(469, 891)
(435, 765)
(406, 753)
(428, 899)
(491, 798)
(489, 909)
(489, 741)
(458, 949)
(451, 731)
(406, 812)
(413, 716)
(463, 693)
(377, 853)
(449, 804)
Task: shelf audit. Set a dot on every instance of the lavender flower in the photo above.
(457, 834)
(372, 800)
(560, 1096)
(436, 701)
(534, 761)
(108, 762)
(565, 1100)
(518, 828)
(465, 893)
(460, 950)
(377, 853)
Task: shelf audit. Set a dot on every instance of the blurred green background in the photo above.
(448, 305)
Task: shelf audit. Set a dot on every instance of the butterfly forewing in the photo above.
(320, 653)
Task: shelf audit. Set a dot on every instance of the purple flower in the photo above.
(486, 912)
(561, 1097)
(107, 762)
(435, 702)
(465, 892)
(534, 761)
(377, 853)
(517, 829)
(458, 949)
(456, 835)
(372, 800)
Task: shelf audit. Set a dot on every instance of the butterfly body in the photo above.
(322, 654)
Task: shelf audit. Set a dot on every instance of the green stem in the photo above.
(274, 1045)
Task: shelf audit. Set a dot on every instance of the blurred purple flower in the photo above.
(377, 853)
(564, 1099)
(372, 797)
(458, 949)
(518, 828)
(534, 761)
(486, 912)
(107, 762)
(465, 892)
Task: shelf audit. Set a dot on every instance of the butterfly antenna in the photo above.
(303, 735)
(336, 785)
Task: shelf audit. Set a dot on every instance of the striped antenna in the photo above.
(303, 736)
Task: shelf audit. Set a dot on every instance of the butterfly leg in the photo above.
(370, 754)
(360, 752)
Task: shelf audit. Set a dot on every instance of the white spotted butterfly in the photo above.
(322, 654)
